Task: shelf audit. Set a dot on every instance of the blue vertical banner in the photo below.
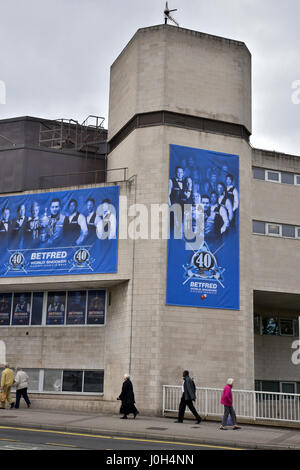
(203, 246)
(58, 233)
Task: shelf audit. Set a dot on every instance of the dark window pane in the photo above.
(297, 179)
(288, 231)
(93, 381)
(5, 309)
(72, 381)
(21, 309)
(258, 173)
(56, 308)
(273, 229)
(257, 324)
(270, 326)
(96, 307)
(296, 327)
(258, 227)
(37, 308)
(273, 176)
(286, 327)
(287, 178)
(76, 308)
(287, 387)
(270, 386)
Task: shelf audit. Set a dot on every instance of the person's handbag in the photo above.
(229, 421)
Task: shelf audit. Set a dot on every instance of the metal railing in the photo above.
(249, 404)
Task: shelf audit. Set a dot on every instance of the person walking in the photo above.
(7, 381)
(187, 398)
(21, 381)
(227, 400)
(127, 398)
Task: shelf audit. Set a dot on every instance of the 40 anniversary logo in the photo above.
(203, 265)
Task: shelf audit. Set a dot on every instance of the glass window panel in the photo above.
(21, 308)
(258, 227)
(273, 176)
(296, 327)
(52, 380)
(270, 326)
(76, 308)
(96, 307)
(72, 381)
(287, 178)
(56, 308)
(287, 387)
(5, 309)
(37, 308)
(273, 229)
(93, 381)
(258, 173)
(286, 327)
(298, 232)
(270, 386)
(257, 324)
(288, 231)
(34, 379)
(297, 179)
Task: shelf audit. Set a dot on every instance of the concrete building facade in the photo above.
(175, 86)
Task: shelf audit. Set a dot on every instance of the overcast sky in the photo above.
(55, 55)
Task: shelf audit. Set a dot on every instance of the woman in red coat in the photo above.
(226, 400)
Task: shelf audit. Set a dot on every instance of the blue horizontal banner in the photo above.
(58, 233)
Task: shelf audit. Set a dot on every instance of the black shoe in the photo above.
(198, 421)
(178, 421)
(12, 405)
(28, 406)
(135, 414)
(124, 417)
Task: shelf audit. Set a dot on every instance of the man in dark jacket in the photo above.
(188, 396)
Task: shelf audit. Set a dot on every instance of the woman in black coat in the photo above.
(127, 398)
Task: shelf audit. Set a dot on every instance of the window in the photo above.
(297, 229)
(273, 176)
(93, 381)
(286, 327)
(37, 308)
(287, 178)
(58, 309)
(257, 324)
(56, 305)
(72, 381)
(52, 380)
(76, 308)
(65, 381)
(5, 309)
(274, 230)
(21, 309)
(258, 173)
(270, 326)
(270, 386)
(288, 387)
(288, 231)
(258, 227)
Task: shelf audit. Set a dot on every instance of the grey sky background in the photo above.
(55, 56)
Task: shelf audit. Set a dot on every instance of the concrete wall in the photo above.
(175, 69)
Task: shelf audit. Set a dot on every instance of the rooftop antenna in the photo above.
(168, 16)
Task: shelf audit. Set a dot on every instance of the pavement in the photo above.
(153, 428)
